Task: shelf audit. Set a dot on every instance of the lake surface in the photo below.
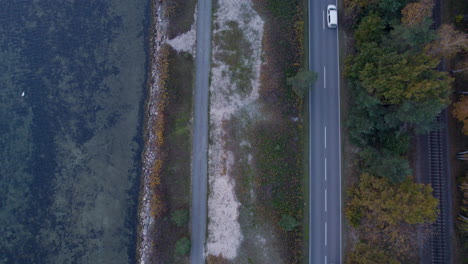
(71, 146)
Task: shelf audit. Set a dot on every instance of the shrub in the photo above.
(182, 246)
(288, 223)
(180, 217)
(301, 82)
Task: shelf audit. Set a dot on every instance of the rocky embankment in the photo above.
(151, 205)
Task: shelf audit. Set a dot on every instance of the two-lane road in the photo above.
(324, 136)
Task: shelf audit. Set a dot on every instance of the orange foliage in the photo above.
(460, 112)
(158, 207)
(415, 13)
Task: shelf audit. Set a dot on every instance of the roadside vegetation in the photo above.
(396, 92)
(176, 166)
(170, 174)
(278, 140)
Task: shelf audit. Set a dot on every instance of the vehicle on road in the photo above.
(332, 16)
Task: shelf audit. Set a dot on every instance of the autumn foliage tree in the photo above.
(449, 42)
(460, 112)
(385, 203)
(364, 253)
(395, 78)
(415, 13)
(389, 214)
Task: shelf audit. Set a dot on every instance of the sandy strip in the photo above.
(224, 232)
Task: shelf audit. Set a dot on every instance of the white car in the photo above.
(332, 16)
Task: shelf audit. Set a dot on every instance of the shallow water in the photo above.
(70, 147)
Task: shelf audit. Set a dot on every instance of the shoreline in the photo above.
(150, 205)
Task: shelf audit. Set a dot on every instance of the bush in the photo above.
(288, 223)
(180, 217)
(301, 82)
(182, 246)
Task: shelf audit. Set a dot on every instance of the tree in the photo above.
(389, 204)
(369, 30)
(301, 82)
(365, 253)
(182, 246)
(385, 164)
(418, 115)
(288, 223)
(448, 43)
(460, 112)
(410, 38)
(396, 142)
(415, 13)
(395, 78)
(390, 9)
(180, 217)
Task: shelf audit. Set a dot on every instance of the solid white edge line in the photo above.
(310, 131)
(323, 19)
(339, 134)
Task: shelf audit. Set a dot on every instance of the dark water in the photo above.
(70, 147)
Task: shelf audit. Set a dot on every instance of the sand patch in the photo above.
(236, 60)
(187, 41)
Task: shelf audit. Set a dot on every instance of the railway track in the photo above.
(438, 173)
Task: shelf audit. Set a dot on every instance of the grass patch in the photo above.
(278, 158)
(176, 167)
(278, 143)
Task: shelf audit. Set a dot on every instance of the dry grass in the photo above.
(166, 166)
(175, 170)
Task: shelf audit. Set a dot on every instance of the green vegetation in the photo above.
(396, 92)
(177, 151)
(288, 223)
(182, 246)
(277, 141)
(301, 82)
(180, 217)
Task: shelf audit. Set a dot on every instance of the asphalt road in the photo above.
(200, 133)
(325, 142)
